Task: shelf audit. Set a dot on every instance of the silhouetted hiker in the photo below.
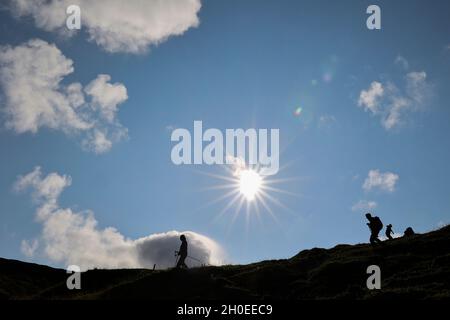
(389, 231)
(375, 226)
(182, 253)
(409, 232)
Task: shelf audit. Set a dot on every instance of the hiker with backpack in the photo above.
(375, 226)
(409, 232)
(389, 231)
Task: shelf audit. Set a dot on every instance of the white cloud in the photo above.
(31, 76)
(70, 237)
(46, 189)
(417, 88)
(327, 121)
(364, 205)
(97, 141)
(28, 248)
(394, 112)
(402, 62)
(392, 103)
(106, 97)
(159, 248)
(114, 25)
(385, 181)
(369, 98)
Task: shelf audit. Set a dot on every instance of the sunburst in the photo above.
(247, 189)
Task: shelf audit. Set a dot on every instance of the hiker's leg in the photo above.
(376, 237)
(182, 263)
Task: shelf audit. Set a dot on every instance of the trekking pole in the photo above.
(195, 259)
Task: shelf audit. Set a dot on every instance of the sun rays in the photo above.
(246, 190)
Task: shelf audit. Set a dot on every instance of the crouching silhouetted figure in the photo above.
(182, 253)
(389, 231)
(375, 226)
(409, 232)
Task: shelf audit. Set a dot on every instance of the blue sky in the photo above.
(252, 64)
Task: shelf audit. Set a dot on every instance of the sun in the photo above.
(250, 183)
(247, 188)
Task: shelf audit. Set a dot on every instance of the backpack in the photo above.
(377, 224)
(409, 232)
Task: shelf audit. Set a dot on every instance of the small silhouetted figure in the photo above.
(182, 253)
(389, 231)
(409, 232)
(375, 226)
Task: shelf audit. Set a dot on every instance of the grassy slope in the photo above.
(416, 268)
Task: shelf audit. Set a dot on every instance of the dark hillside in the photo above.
(411, 268)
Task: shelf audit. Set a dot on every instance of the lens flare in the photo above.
(298, 112)
(327, 77)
